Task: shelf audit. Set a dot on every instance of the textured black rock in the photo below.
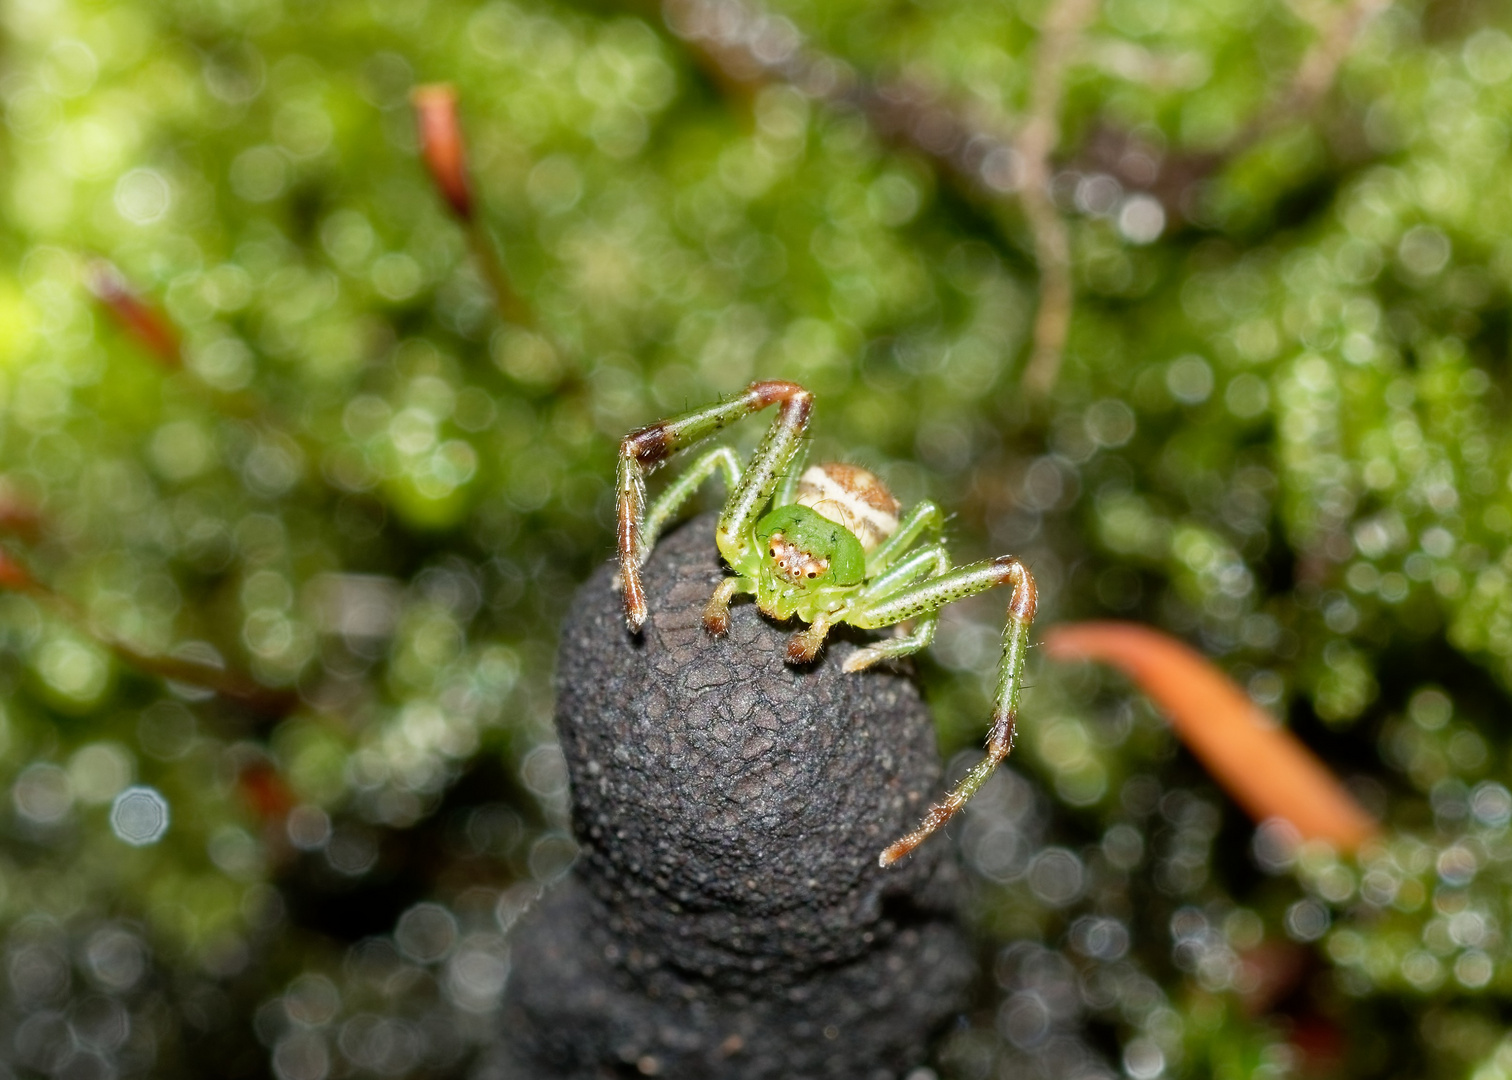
(727, 917)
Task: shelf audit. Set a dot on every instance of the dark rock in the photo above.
(727, 917)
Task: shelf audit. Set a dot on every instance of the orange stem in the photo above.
(1263, 766)
(442, 145)
(444, 149)
(19, 516)
(149, 326)
(14, 577)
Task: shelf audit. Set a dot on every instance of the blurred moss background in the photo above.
(355, 501)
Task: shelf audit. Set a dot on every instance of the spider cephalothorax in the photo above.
(832, 547)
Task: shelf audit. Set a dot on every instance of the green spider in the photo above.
(832, 549)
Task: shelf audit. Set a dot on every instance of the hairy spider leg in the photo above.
(716, 615)
(927, 562)
(643, 450)
(803, 646)
(928, 597)
(786, 493)
(925, 516)
(717, 611)
(782, 442)
(918, 565)
(681, 490)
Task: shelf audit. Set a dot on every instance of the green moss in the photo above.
(1280, 433)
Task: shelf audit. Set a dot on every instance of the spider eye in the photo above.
(813, 573)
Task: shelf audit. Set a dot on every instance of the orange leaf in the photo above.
(1264, 767)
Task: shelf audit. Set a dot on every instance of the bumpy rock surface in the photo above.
(727, 917)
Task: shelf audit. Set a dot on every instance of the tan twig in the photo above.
(1038, 138)
(1315, 75)
(743, 46)
(1175, 177)
(227, 684)
(746, 46)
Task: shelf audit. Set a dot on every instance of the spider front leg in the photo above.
(926, 598)
(804, 646)
(716, 615)
(786, 491)
(680, 491)
(643, 450)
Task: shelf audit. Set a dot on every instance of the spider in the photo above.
(831, 549)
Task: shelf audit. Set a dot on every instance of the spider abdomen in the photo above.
(853, 497)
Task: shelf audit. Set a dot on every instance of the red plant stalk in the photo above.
(1263, 767)
(444, 150)
(142, 322)
(266, 792)
(20, 516)
(14, 577)
(442, 145)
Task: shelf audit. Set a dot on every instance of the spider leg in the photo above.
(643, 450)
(779, 446)
(926, 562)
(716, 616)
(921, 637)
(682, 489)
(805, 644)
(787, 488)
(924, 516)
(927, 597)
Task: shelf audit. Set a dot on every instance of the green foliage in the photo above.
(1280, 432)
